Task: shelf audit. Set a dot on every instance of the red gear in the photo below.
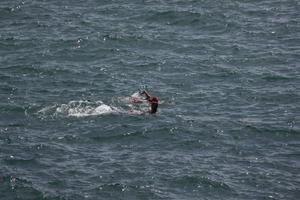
(154, 100)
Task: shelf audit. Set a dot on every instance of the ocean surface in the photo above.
(227, 74)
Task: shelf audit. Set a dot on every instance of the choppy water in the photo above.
(227, 74)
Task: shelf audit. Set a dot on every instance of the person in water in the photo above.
(153, 102)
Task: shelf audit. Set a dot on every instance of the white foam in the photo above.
(83, 109)
(136, 95)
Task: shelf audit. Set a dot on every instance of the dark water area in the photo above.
(226, 73)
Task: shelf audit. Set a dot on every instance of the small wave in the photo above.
(12, 187)
(201, 183)
(21, 161)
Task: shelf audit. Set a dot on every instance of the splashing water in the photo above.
(136, 95)
(84, 108)
(81, 108)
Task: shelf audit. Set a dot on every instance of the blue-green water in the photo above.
(227, 75)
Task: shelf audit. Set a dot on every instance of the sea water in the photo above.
(226, 73)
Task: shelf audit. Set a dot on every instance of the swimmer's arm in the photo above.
(146, 94)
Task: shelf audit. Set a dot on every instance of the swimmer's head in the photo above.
(154, 100)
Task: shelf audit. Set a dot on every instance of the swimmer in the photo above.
(153, 102)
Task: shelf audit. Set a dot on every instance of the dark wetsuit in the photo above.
(153, 108)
